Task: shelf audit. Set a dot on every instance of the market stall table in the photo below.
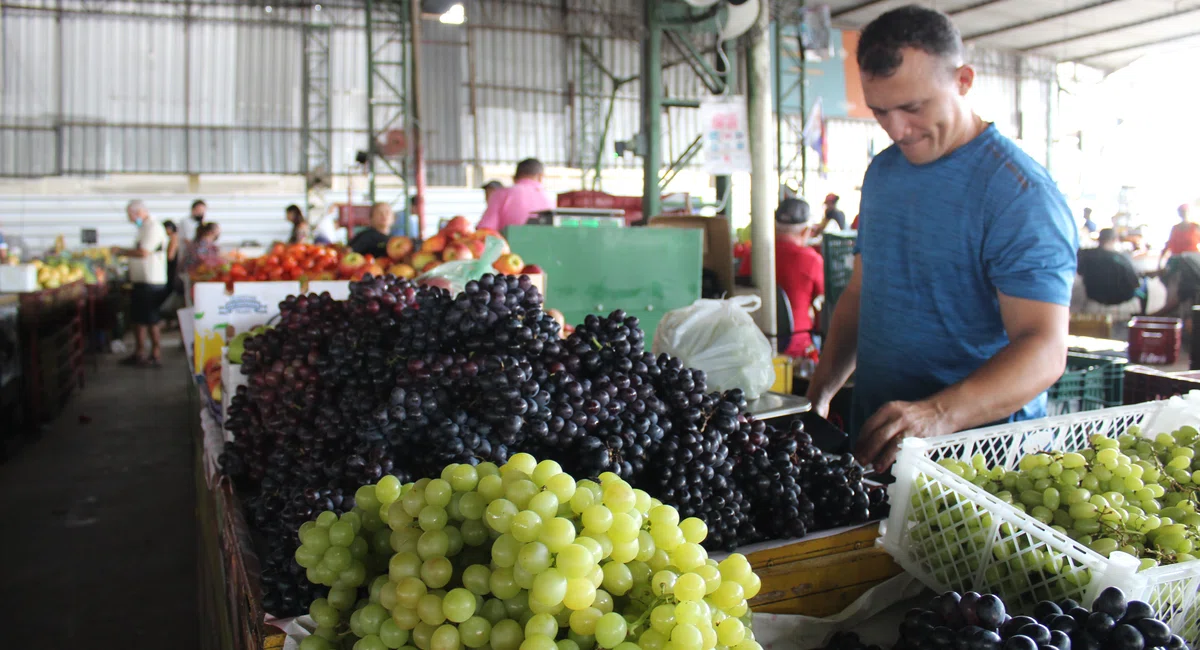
(777, 405)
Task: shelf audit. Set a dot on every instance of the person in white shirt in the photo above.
(148, 273)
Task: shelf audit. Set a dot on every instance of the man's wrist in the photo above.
(944, 405)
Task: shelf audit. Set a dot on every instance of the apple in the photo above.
(434, 244)
(430, 266)
(531, 269)
(399, 248)
(402, 271)
(351, 263)
(509, 264)
(504, 249)
(422, 258)
(487, 232)
(457, 227)
(473, 243)
(457, 251)
(374, 269)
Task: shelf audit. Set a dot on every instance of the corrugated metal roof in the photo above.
(1107, 34)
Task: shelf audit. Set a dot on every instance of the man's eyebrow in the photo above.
(908, 106)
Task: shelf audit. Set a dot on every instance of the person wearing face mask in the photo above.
(188, 227)
(148, 273)
(956, 313)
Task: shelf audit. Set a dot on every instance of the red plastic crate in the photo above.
(1144, 384)
(1154, 340)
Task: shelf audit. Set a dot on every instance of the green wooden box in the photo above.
(645, 271)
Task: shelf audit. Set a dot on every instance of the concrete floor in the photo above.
(98, 538)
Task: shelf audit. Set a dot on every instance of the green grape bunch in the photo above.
(520, 557)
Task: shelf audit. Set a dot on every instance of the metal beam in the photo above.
(973, 6)
(856, 7)
(1036, 21)
(1126, 48)
(1110, 30)
(651, 109)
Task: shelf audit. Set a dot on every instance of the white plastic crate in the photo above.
(975, 541)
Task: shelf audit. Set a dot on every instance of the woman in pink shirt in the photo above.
(512, 206)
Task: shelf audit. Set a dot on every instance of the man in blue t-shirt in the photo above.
(956, 314)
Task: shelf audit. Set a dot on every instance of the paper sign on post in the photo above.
(726, 139)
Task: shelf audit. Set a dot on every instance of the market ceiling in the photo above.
(1107, 34)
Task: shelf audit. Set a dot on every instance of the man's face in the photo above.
(198, 212)
(921, 105)
(134, 214)
(382, 219)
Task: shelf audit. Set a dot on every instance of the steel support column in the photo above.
(388, 98)
(318, 126)
(651, 134)
(762, 195)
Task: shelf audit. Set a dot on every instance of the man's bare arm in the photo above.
(839, 354)
(1031, 362)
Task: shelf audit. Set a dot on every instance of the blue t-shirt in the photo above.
(937, 242)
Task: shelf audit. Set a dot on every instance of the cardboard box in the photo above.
(718, 244)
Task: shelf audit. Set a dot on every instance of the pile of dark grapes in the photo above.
(403, 379)
(980, 622)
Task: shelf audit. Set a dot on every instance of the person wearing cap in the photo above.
(512, 206)
(489, 188)
(799, 270)
(832, 213)
(955, 316)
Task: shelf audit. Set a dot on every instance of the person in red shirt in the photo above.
(1185, 237)
(799, 270)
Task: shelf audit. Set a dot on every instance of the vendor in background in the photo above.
(1185, 237)
(1089, 226)
(205, 250)
(799, 271)
(373, 240)
(832, 215)
(299, 225)
(1108, 274)
(1182, 278)
(489, 188)
(188, 227)
(512, 206)
(148, 273)
(956, 313)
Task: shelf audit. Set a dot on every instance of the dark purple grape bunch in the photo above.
(980, 622)
(380, 300)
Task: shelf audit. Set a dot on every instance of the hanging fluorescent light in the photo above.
(455, 15)
(268, 9)
(316, 7)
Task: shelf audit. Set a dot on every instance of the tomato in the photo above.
(309, 263)
(289, 264)
(275, 274)
(278, 250)
(238, 272)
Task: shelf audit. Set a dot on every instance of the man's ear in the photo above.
(965, 78)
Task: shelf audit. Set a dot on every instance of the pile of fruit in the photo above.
(519, 555)
(1131, 494)
(304, 262)
(981, 623)
(403, 380)
(54, 273)
(457, 240)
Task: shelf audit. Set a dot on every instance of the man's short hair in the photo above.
(792, 212)
(198, 202)
(912, 27)
(1106, 236)
(136, 205)
(494, 185)
(529, 168)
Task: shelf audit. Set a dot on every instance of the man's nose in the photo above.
(896, 126)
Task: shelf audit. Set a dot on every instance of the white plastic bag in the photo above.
(720, 338)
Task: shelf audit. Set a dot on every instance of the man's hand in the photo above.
(879, 440)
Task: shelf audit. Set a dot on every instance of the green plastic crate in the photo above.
(1090, 382)
(837, 249)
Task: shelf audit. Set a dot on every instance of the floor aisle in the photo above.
(98, 538)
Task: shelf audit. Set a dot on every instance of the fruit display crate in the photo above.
(837, 249)
(1090, 382)
(1145, 384)
(820, 575)
(954, 535)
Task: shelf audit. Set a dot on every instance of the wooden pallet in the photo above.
(820, 577)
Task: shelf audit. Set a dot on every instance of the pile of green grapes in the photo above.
(520, 557)
(1132, 494)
